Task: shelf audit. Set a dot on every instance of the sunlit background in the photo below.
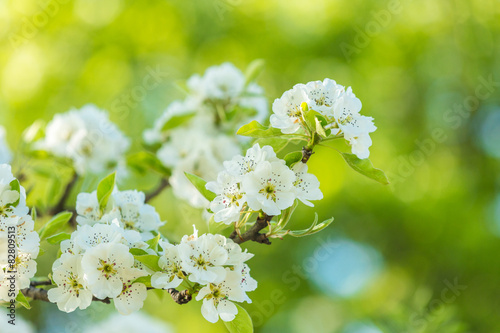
(419, 255)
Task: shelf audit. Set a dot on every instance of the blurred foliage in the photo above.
(412, 64)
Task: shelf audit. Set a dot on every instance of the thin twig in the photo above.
(39, 294)
(163, 184)
(253, 233)
(59, 207)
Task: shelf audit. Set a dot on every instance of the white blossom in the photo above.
(106, 267)
(132, 296)
(323, 95)
(217, 298)
(241, 165)
(269, 188)
(171, 265)
(203, 258)
(352, 124)
(229, 201)
(219, 82)
(131, 211)
(127, 209)
(178, 108)
(88, 138)
(198, 152)
(72, 291)
(306, 184)
(87, 208)
(287, 110)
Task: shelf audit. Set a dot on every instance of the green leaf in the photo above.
(256, 130)
(253, 70)
(137, 252)
(319, 128)
(365, 167)
(177, 120)
(33, 214)
(150, 261)
(153, 242)
(15, 186)
(104, 190)
(278, 143)
(58, 238)
(200, 183)
(292, 158)
(314, 228)
(144, 279)
(144, 161)
(55, 224)
(242, 323)
(23, 301)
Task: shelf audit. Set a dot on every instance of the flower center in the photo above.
(269, 191)
(107, 268)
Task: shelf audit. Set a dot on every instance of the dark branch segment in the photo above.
(163, 184)
(253, 233)
(39, 294)
(180, 297)
(306, 154)
(59, 207)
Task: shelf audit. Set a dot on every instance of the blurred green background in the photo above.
(419, 255)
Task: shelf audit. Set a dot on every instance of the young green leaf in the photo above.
(256, 130)
(56, 224)
(319, 128)
(242, 323)
(292, 158)
(153, 242)
(253, 70)
(137, 252)
(15, 186)
(144, 161)
(58, 238)
(150, 261)
(314, 228)
(365, 167)
(177, 120)
(144, 279)
(104, 190)
(200, 183)
(21, 299)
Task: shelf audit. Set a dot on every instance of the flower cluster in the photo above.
(127, 208)
(88, 138)
(338, 105)
(190, 133)
(96, 262)
(5, 154)
(262, 182)
(216, 264)
(19, 243)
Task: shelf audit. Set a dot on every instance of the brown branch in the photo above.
(253, 233)
(180, 297)
(59, 207)
(306, 154)
(39, 294)
(163, 184)
(40, 283)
